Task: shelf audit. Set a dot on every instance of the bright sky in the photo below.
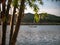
(51, 7)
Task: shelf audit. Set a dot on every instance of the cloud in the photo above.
(55, 11)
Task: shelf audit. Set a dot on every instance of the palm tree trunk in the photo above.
(0, 12)
(0, 1)
(8, 7)
(4, 26)
(12, 25)
(14, 37)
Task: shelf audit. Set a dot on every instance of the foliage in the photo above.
(36, 18)
(15, 3)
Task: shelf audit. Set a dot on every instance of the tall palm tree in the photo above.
(21, 11)
(8, 7)
(15, 2)
(18, 23)
(5, 13)
(0, 11)
(4, 23)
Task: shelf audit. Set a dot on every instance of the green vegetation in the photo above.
(36, 18)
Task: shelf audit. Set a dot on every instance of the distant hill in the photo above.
(49, 18)
(52, 18)
(28, 18)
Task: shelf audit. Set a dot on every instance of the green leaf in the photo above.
(15, 3)
(36, 18)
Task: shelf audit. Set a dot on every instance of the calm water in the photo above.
(36, 35)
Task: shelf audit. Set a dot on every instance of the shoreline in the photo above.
(38, 24)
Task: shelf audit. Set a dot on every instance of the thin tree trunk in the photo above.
(4, 26)
(12, 25)
(8, 7)
(0, 12)
(0, 1)
(14, 37)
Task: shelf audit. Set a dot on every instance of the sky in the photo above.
(51, 7)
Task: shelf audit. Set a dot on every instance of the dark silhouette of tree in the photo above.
(15, 2)
(4, 23)
(14, 37)
(21, 11)
(5, 13)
